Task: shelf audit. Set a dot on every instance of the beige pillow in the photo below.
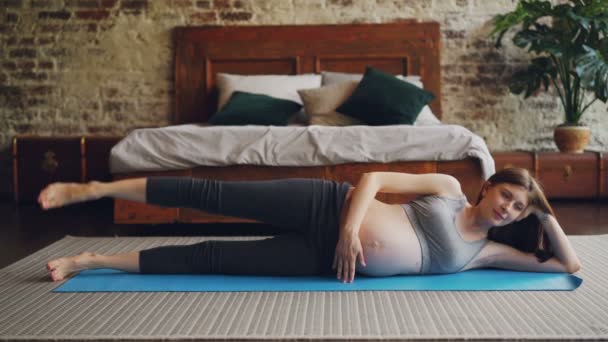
(320, 104)
(330, 77)
(334, 119)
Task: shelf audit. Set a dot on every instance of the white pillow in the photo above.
(279, 86)
(426, 116)
(330, 77)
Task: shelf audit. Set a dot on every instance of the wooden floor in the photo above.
(25, 229)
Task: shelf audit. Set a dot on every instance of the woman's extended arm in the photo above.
(559, 241)
(363, 194)
(394, 182)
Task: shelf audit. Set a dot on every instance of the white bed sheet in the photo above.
(191, 145)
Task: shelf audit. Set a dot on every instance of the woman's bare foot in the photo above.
(61, 268)
(59, 194)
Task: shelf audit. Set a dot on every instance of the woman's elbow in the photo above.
(368, 174)
(573, 268)
(368, 177)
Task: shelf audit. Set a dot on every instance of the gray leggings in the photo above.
(308, 210)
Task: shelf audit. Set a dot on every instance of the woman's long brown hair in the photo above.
(528, 234)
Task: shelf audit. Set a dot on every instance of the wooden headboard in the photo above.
(407, 48)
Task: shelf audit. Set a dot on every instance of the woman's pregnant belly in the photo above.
(390, 245)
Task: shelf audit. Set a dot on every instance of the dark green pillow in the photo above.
(383, 99)
(255, 109)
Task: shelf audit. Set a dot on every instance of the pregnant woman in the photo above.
(332, 227)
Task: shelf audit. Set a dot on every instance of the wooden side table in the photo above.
(562, 175)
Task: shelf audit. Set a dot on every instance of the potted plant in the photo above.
(570, 44)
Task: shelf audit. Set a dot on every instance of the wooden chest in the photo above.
(562, 175)
(38, 161)
(566, 175)
(505, 160)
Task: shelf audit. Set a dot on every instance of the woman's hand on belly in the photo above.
(348, 250)
(389, 244)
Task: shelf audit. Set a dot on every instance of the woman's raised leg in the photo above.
(297, 204)
(301, 205)
(60, 194)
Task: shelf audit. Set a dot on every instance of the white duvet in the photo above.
(191, 145)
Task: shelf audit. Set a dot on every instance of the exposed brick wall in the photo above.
(105, 66)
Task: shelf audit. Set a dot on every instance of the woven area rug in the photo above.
(29, 311)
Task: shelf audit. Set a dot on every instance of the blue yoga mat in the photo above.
(106, 280)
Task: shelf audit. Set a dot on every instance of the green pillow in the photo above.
(383, 99)
(255, 109)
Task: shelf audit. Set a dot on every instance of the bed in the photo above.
(201, 53)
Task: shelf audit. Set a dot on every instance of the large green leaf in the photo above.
(592, 68)
(526, 12)
(530, 79)
(591, 13)
(541, 39)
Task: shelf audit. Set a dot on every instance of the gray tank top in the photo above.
(443, 249)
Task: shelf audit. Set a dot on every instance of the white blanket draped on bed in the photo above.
(191, 145)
